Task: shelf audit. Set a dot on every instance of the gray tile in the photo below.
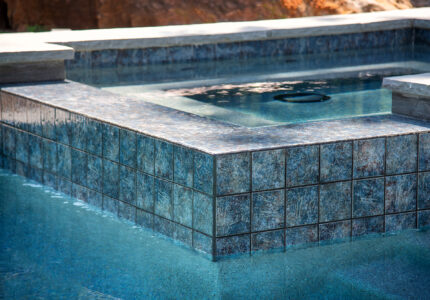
(424, 190)
(268, 210)
(401, 154)
(183, 166)
(267, 240)
(163, 159)
(400, 193)
(163, 201)
(145, 191)
(302, 165)
(368, 199)
(369, 157)
(336, 161)
(145, 154)
(233, 214)
(335, 201)
(203, 213)
(400, 222)
(47, 115)
(301, 235)
(203, 172)
(268, 170)
(367, 226)
(302, 206)
(34, 118)
(183, 205)
(424, 151)
(233, 174)
(335, 230)
(232, 245)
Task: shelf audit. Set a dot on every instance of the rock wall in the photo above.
(82, 14)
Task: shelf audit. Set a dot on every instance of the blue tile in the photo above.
(144, 219)
(302, 165)
(9, 143)
(47, 115)
(145, 191)
(50, 180)
(423, 218)
(233, 245)
(268, 170)
(203, 213)
(35, 144)
(179, 53)
(203, 172)
(183, 234)
(145, 154)
(400, 222)
(127, 154)
(9, 164)
(50, 156)
(301, 235)
(63, 128)
(79, 131)
(95, 199)
(130, 57)
(302, 206)
(111, 179)
(163, 202)
(268, 210)
(33, 118)
(163, 226)
(400, 193)
(79, 192)
(204, 52)
(202, 242)
(424, 190)
(163, 159)
(335, 230)
(127, 185)
(154, 55)
(21, 168)
(233, 214)
(401, 154)
(126, 211)
(335, 201)
(424, 150)
(95, 172)
(233, 173)
(183, 166)
(267, 240)
(110, 205)
(368, 198)
(35, 174)
(22, 146)
(94, 137)
(183, 205)
(64, 186)
(336, 161)
(79, 167)
(369, 157)
(227, 50)
(367, 226)
(111, 142)
(64, 161)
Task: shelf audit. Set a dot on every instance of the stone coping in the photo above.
(35, 47)
(415, 85)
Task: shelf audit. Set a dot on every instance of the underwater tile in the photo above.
(111, 142)
(110, 205)
(50, 180)
(94, 137)
(154, 55)
(111, 179)
(302, 206)
(164, 226)
(301, 235)
(202, 213)
(21, 168)
(367, 226)
(9, 164)
(302, 165)
(233, 214)
(268, 210)
(35, 145)
(369, 157)
(163, 159)
(268, 170)
(126, 211)
(423, 218)
(202, 242)
(145, 191)
(35, 174)
(127, 185)
(204, 52)
(9, 142)
(145, 153)
(227, 50)
(336, 161)
(183, 205)
(64, 161)
(203, 172)
(335, 230)
(163, 202)
(50, 156)
(34, 121)
(144, 219)
(400, 193)
(95, 172)
(127, 155)
(21, 146)
(400, 221)
(64, 186)
(95, 199)
(233, 245)
(179, 53)
(424, 151)
(335, 201)
(424, 190)
(401, 154)
(183, 166)
(233, 173)
(79, 167)
(63, 128)
(79, 192)
(47, 115)
(79, 135)
(183, 234)
(267, 240)
(368, 198)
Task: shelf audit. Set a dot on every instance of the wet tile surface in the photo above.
(302, 165)
(302, 206)
(335, 201)
(424, 190)
(233, 214)
(368, 198)
(336, 161)
(400, 193)
(301, 235)
(202, 213)
(402, 154)
(267, 240)
(369, 158)
(367, 226)
(233, 174)
(268, 170)
(335, 230)
(268, 210)
(424, 151)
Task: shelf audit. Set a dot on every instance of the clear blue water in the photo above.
(54, 247)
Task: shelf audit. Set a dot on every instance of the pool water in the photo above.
(55, 247)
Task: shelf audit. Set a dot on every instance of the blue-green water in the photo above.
(54, 247)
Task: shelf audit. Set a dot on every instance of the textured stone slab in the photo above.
(417, 85)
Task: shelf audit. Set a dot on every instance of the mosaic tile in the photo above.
(64, 186)
(47, 115)
(79, 167)
(400, 193)
(35, 151)
(268, 170)
(367, 226)
(183, 166)
(127, 155)
(164, 226)
(424, 151)
(94, 137)
(126, 211)
(163, 159)
(202, 242)
(50, 156)
(63, 128)
(401, 154)
(423, 218)
(111, 179)
(202, 213)
(335, 201)
(301, 235)
(302, 206)
(369, 157)
(183, 234)
(144, 218)
(302, 165)
(267, 240)
(368, 198)
(64, 161)
(268, 210)
(111, 142)
(400, 222)
(335, 230)
(233, 173)
(203, 172)
(78, 124)
(34, 118)
(424, 190)
(127, 185)
(232, 245)
(94, 175)
(183, 205)
(79, 192)
(21, 144)
(35, 174)
(336, 161)
(145, 154)
(163, 202)
(95, 199)
(9, 141)
(145, 191)
(110, 205)
(50, 180)
(233, 214)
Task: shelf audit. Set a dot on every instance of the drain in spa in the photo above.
(302, 97)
